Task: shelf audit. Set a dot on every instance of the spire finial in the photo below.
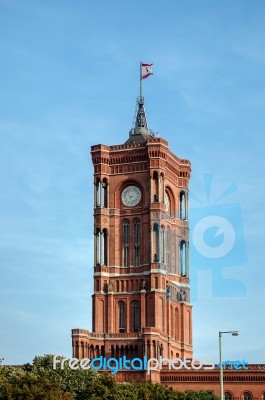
(140, 119)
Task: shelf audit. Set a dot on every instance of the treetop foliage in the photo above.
(40, 381)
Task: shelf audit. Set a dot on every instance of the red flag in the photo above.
(146, 70)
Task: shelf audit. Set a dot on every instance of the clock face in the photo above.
(131, 196)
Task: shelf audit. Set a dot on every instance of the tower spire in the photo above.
(140, 131)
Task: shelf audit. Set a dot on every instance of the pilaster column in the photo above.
(187, 205)
(95, 195)
(143, 309)
(99, 193)
(158, 256)
(95, 248)
(159, 195)
(187, 259)
(163, 189)
(168, 319)
(110, 321)
(98, 247)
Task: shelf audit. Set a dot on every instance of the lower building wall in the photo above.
(236, 383)
(256, 389)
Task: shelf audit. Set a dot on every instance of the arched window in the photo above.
(101, 247)
(182, 205)
(104, 200)
(135, 316)
(183, 258)
(97, 239)
(156, 243)
(247, 396)
(263, 396)
(167, 204)
(126, 242)
(122, 317)
(228, 396)
(136, 241)
(105, 247)
(98, 193)
(155, 187)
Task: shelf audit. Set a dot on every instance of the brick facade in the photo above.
(153, 288)
(141, 301)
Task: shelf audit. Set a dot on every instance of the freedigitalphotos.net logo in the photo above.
(217, 240)
(137, 364)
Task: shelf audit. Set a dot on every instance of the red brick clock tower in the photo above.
(141, 300)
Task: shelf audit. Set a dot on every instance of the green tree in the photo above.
(40, 381)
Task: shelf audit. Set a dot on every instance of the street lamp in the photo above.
(233, 333)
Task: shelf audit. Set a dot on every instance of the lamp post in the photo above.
(233, 333)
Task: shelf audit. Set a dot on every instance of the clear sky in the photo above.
(69, 79)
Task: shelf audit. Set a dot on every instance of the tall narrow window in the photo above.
(136, 239)
(104, 200)
(183, 259)
(135, 316)
(155, 187)
(98, 246)
(105, 246)
(182, 205)
(126, 242)
(98, 193)
(156, 243)
(163, 242)
(228, 396)
(121, 317)
(168, 238)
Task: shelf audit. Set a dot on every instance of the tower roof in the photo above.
(140, 133)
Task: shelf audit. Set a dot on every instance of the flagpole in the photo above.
(141, 79)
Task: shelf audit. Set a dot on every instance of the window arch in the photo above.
(228, 396)
(135, 316)
(247, 396)
(122, 326)
(136, 241)
(183, 258)
(126, 242)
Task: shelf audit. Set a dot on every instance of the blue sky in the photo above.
(69, 78)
